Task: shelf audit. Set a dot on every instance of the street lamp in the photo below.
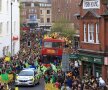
(11, 28)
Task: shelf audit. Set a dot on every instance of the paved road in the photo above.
(37, 87)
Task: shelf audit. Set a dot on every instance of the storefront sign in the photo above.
(73, 56)
(91, 4)
(98, 60)
(84, 59)
(15, 37)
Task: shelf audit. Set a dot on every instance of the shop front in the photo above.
(91, 64)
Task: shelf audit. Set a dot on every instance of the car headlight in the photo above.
(17, 77)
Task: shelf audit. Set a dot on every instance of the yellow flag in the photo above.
(7, 58)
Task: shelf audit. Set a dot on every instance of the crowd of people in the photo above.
(27, 56)
(71, 79)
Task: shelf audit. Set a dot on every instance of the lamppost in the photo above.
(11, 29)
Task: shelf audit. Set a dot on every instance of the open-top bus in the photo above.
(52, 50)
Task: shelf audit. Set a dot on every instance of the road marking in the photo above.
(16, 88)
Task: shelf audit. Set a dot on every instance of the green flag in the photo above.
(27, 65)
(54, 67)
(52, 80)
(4, 77)
(44, 69)
(36, 63)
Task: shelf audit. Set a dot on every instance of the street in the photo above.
(37, 87)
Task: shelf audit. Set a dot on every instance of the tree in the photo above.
(64, 28)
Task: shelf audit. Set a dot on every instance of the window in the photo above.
(52, 44)
(42, 20)
(48, 20)
(23, 5)
(31, 10)
(0, 28)
(97, 32)
(91, 33)
(0, 5)
(48, 11)
(32, 4)
(41, 11)
(7, 27)
(85, 32)
(33, 17)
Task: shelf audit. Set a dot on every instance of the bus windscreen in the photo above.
(52, 44)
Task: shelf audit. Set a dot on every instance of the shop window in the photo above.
(97, 32)
(91, 33)
(85, 28)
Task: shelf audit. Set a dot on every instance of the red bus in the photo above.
(52, 50)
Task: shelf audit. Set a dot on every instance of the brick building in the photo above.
(30, 12)
(93, 50)
(36, 13)
(65, 9)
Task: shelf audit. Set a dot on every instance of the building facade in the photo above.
(30, 13)
(45, 15)
(93, 50)
(9, 27)
(36, 13)
(65, 9)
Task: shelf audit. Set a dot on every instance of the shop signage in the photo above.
(73, 56)
(15, 37)
(91, 4)
(98, 60)
(84, 59)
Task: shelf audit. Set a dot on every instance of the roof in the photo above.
(93, 13)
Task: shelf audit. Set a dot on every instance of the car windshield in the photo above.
(26, 73)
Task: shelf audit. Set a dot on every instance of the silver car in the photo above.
(27, 77)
